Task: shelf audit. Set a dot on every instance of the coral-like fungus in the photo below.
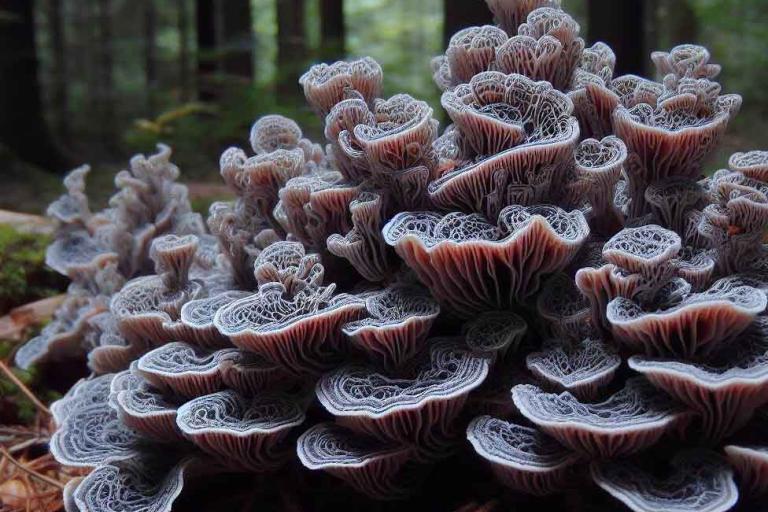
(509, 265)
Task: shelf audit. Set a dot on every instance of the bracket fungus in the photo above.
(240, 433)
(471, 266)
(630, 420)
(522, 458)
(371, 467)
(509, 264)
(398, 322)
(582, 368)
(701, 481)
(417, 411)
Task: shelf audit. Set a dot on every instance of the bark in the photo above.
(206, 47)
(619, 24)
(23, 129)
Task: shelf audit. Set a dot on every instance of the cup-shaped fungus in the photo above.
(564, 310)
(522, 458)
(181, 369)
(495, 333)
(523, 132)
(598, 168)
(751, 465)
(630, 420)
(147, 412)
(197, 316)
(700, 481)
(582, 368)
(686, 61)
(725, 388)
(509, 15)
(471, 266)
(300, 332)
(363, 246)
(92, 434)
(418, 411)
(241, 433)
(472, 51)
(397, 325)
(547, 47)
(370, 466)
(134, 485)
(402, 136)
(672, 138)
(694, 325)
(326, 85)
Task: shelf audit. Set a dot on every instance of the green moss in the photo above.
(23, 274)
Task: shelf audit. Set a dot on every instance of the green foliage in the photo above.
(24, 410)
(23, 275)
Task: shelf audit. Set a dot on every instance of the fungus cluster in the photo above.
(554, 264)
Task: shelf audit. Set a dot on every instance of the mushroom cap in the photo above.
(418, 411)
(582, 368)
(243, 433)
(132, 485)
(472, 266)
(300, 332)
(372, 467)
(701, 482)
(751, 465)
(452, 371)
(326, 85)
(91, 435)
(495, 332)
(752, 164)
(642, 249)
(398, 322)
(628, 421)
(510, 15)
(725, 388)
(694, 325)
(521, 457)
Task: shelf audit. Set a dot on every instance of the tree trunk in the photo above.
(619, 24)
(105, 83)
(459, 14)
(150, 53)
(291, 47)
(332, 29)
(23, 129)
(59, 93)
(182, 8)
(205, 21)
(224, 42)
(235, 37)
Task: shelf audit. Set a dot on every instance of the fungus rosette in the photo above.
(418, 411)
(326, 85)
(629, 421)
(522, 458)
(471, 266)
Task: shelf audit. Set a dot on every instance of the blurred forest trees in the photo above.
(98, 80)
